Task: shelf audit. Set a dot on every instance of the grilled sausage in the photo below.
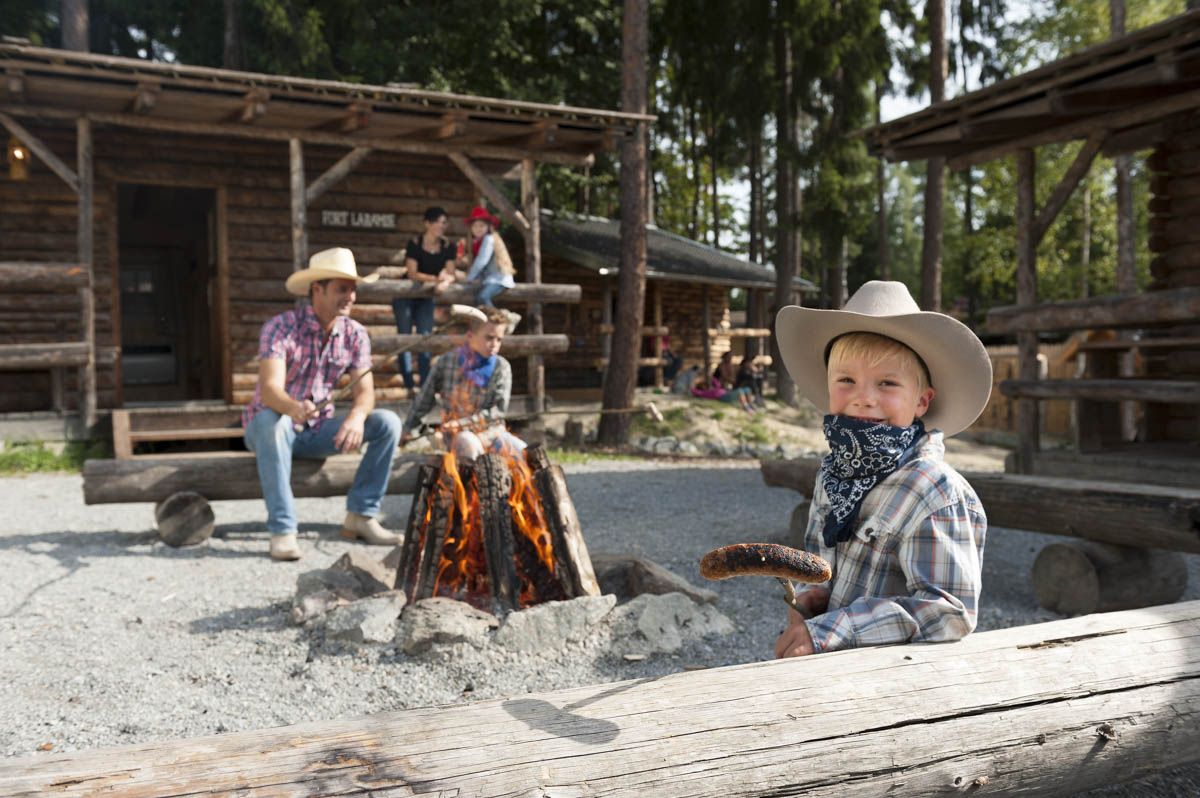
(765, 559)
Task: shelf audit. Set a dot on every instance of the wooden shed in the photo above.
(688, 287)
(1135, 92)
(151, 212)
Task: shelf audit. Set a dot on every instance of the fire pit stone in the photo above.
(368, 620)
(659, 624)
(442, 621)
(548, 626)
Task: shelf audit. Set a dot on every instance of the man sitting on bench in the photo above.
(301, 355)
(473, 385)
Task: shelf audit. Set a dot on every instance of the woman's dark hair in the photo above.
(434, 213)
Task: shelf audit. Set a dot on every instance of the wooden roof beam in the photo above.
(452, 126)
(1138, 138)
(543, 133)
(254, 106)
(14, 82)
(357, 116)
(1062, 192)
(1100, 100)
(42, 151)
(145, 97)
(489, 190)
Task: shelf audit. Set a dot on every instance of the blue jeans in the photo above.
(410, 312)
(275, 442)
(488, 292)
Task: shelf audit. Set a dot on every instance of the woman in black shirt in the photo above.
(428, 258)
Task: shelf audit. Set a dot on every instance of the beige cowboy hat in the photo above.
(328, 264)
(958, 364)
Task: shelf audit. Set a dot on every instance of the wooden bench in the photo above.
(131, 426)
(1046, 709)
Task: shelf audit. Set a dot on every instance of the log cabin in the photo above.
(150, 213)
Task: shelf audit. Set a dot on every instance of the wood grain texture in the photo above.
(1035, 710)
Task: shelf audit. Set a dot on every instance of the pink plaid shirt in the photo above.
(312, 372)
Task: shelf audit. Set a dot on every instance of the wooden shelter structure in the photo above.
(158, 208)
(1134, 92)
(688, 285)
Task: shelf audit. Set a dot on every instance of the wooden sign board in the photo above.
(360, 219)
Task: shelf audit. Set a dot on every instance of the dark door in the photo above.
(167, 272)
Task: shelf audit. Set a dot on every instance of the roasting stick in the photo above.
(458, 314)
(478, 422)
(767, 559)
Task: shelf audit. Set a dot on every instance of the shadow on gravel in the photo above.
(272, 618)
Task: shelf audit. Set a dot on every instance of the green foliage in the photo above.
(27, 458)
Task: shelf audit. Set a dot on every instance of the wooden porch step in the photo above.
(1115, 390)
(203, 434)
(131, 426)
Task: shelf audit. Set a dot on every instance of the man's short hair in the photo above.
(875, 349)
(321, 283)
(494, 316)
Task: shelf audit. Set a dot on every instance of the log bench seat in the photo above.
(1044, 709)
(1106, 390)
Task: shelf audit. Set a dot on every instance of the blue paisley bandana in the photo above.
(475, 367)
(861, 455)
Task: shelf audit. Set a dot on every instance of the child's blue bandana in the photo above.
(861, 455)
(476, 368)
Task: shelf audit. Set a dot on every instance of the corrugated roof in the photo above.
(595, 242)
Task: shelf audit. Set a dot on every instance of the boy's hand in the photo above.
(795, 641)
(813, 601)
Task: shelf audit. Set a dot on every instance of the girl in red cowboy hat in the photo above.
(492, 267)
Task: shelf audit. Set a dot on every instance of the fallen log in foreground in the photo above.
(1150, 516)
(1045, 709)
(228, 475)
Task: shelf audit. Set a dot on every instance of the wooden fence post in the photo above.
(86, 248)
(1027, 341)
(533, 274)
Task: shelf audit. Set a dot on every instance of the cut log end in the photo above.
(184, 519)
(1082, 577)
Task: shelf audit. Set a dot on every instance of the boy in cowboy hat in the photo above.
(301, 355)
(902, 529)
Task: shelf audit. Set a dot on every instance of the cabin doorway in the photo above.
(168, 267)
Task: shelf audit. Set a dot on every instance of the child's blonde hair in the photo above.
(875, 349)
(503, 259)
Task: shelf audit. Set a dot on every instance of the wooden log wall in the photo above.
(38, 218)
(1174, 243)
(682, 315)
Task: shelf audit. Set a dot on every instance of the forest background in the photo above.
(751, 97)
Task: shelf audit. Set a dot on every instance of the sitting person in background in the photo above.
(750, 375)
(673, 361)
(473, 386)
(714, 390)
(491, 270)
(725, 372)
(429, 260)
(684, 380)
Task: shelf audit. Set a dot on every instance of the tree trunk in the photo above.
(75, 25)
(694, 151)
(787, 254)
(755, 174)
(620, 379)
(232, 56)
(970, 280)
(931, 250)
(714, 195)
(885, 250)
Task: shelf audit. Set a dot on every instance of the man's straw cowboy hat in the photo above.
(958, 364)
(328, 264)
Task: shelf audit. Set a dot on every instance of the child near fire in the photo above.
(473, 385)
(902, 530)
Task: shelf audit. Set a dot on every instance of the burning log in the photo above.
(499, 533)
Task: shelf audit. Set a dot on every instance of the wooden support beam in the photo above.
(336, 173)
(451, 127)
(14, 84)
(387, 290)
(299, 207)
(228, 475)
(1176, 305)
(1028, 424)
(533, 275)
(145, 97)
(1044, 709)
(494, 195)
(1062, 192)
(1120, 513)
(357, 116)
(85, 247)
(254, 106)
(308, 136)
(41, 151)
(1136, 138)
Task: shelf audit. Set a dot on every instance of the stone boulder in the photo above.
(442, 621)
(368, 620)
(654, 624)
(372, 575)
(546, 627)
(627, 576)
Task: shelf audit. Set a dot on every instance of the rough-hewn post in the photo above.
(86, 249)
(620, 379)
(1027, 341)
(299, 206)
(533, 274)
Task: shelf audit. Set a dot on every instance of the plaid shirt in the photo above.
(458, 396)
(312, 372)
(913, 569)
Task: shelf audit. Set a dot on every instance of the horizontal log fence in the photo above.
(1178, 305)
(48, 277)
(1114, 390)
(1045, 709)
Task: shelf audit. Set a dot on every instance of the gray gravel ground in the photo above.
(110, 637)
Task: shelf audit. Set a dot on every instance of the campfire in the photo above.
(499, 533)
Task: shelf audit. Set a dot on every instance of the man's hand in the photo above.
(303, 411)
(795, 641)
(350, 435)
(405, 438)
